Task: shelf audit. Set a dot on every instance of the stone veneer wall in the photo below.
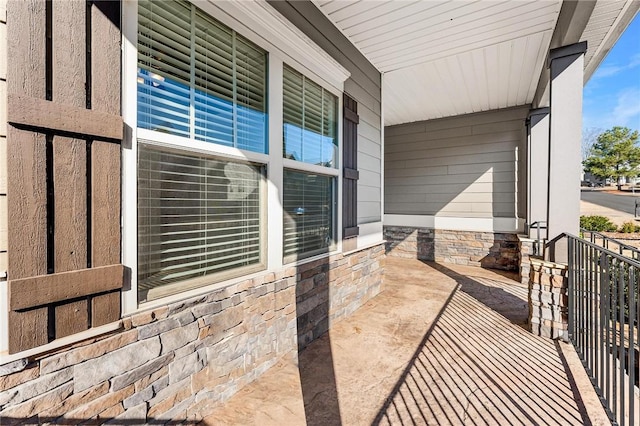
(548, 299)
(177, 362)
(486, 249)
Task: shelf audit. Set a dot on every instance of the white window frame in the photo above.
(258, 22)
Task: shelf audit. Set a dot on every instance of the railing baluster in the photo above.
(620, 326)
(590, 311)
(571, 283)
(614, 351)
(608, 330)
(581, 302)
(632, 317)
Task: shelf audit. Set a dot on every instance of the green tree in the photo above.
(614, 155)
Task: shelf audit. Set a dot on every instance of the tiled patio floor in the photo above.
(442, 344)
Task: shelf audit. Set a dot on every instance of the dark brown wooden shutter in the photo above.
(350, 172)
(63, 163)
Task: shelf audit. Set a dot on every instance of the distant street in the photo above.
(624, 203)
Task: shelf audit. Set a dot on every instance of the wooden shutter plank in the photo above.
(105, 200)
(26, 46)
(105, 308)
(26, 203)
(26, 167)
(71, 318)
(40, 114)
(105, 57)
(28, 329)
(69, 154)
(46, 289)
(70, 203)
(105, 157)
(26, 151)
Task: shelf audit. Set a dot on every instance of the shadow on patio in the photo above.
(440, 345)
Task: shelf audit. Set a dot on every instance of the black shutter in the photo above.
(350, 168)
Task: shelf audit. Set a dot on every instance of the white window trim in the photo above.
(260, 23)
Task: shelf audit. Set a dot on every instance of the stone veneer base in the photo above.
(548, 299)
(485, 249)
(177, 362)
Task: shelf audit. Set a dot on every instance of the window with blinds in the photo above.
(309, 212)
(198, 78)
(310, 126)
(198, 216)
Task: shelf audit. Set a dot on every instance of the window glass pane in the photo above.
(164, 50)
(198, 78)
(309, 211)
(197, 216)
(310, 114)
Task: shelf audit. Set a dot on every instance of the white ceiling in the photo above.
(603, 29)
(443, 58)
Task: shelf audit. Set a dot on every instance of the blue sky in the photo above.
(612, 95)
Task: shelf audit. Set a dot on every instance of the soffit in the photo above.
(608, 20)
(444, 58)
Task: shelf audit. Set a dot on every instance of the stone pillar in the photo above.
(549, 299)
(538, 179)
(525, 251)
(565, 133)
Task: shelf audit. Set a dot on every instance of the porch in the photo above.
(441, 344)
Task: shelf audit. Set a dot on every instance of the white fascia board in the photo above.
(266, 27)
(474, 224)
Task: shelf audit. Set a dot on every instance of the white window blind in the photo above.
(310, 126)
(309, 211)
(198, 78)
(197, 216)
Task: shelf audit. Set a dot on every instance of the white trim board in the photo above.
(476, 224)
(370, 234)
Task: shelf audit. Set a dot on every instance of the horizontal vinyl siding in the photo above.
(466, 166)
(363, 86)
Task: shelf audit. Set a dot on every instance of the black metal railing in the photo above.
(538, 247)
(611, 244)
(603, 323)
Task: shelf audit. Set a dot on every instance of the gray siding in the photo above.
(466, 166)
(363, 86)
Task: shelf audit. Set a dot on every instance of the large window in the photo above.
(198, 78)
(200, 156)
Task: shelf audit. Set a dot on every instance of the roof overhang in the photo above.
(444, 58)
